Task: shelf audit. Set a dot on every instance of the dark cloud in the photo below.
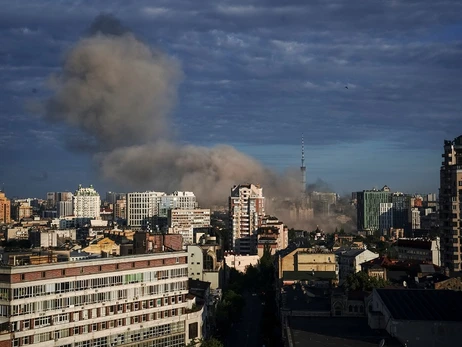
(261, 71)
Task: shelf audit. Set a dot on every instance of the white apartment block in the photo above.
(87, 204)
(246, 208)
(65, 208)
(124, 301)
(141, 207)
(178, 200)
(183, 222)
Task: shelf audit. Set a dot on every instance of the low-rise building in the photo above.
(205, 263)
(350, 260)
(420, 250)
(241, 262)
(417, 318)
(316, 266)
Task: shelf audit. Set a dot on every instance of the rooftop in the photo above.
(336, 332)
(415, 304)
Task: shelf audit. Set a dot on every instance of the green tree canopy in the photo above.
(362, 281)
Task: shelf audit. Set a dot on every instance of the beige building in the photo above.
(120, 208)
(105, 245)
(311, 265)
(241, 262)
(5, 209)
(113, 302)
(184, 222)
(205, 264)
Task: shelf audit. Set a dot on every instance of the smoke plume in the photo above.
(120, 93)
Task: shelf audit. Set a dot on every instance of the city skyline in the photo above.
(372, 88)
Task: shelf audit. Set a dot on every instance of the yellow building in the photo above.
(105, 245)
(309, 265)
(5, 209)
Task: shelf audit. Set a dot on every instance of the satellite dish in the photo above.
(382, 343)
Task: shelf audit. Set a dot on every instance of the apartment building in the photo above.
(5, 208)
(184, 222)
(122, 301)
(246, 208)
(177, 200)
(450, 200)
(87, 204)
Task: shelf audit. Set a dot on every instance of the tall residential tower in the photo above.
(451, 203)
(246, 208)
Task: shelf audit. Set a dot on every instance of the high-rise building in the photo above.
(401, 204)
(65, 208)
(368, 208)
(87, 203)
(120, 208)
(144, 206)
(246, 209)
(5, 208)
(138, 300)
(179, 200)
(450, 200)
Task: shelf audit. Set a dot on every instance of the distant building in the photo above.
(246, 208)
(5, 209)
(420, 250)
(368, 208)
(315, 266)
(177, 200)
(65, 208)
(184, 221)
(350, 261)
(120, 208)
(87, 204)
(241, 262)
(142, 207)
(450, 200)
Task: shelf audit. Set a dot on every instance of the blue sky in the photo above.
(257, 74)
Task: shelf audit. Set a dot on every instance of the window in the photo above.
(23, 277)
(43, 274)
(63, 272)
(193, 330)
(177, 260)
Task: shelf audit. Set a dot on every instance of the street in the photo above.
(246, 332)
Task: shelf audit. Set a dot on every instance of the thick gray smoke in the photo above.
(119, 93)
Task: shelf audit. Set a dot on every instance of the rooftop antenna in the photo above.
(303, 167)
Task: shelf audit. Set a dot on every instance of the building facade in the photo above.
(5, 209)
(246, 208)
(368, 208)
(87, 204)
(450, 199)
(183, 222)
(124, 301)
(419, 249)
(177, 200)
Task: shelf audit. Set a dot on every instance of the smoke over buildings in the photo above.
(119, 93)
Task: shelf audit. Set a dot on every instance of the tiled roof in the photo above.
(415, 304)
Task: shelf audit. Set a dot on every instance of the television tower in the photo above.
(303, 168)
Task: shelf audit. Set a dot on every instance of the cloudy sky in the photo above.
(375, 86)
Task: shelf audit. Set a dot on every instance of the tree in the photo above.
(362, 281)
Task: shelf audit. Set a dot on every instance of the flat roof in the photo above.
(336, 332)
(423, 304)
